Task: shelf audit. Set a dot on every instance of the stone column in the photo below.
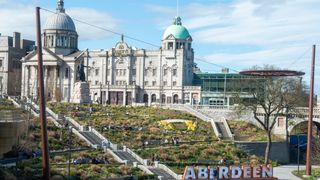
(45, 80)
(25, 80)
(133, 95)
(190, 98)
(55, 81)
(125, 95)
(107, 93)
(149, 99)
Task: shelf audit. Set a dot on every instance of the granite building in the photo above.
(12, 49)
(121, 75)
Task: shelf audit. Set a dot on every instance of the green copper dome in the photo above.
(177, 30)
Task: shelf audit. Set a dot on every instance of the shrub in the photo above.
(57, 159)
(124, 169)
(95, 168)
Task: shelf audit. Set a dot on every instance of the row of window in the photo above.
(179, 45)
(165, 72)
(61, 41)
(121, 72)
(121, 83)
(165, 83)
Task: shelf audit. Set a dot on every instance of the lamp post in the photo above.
(69, 153)
(42, 105)
(225, 71)
(310, 116)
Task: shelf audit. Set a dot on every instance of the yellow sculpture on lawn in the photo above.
(169, 124)
(166, 125)
(191, 126)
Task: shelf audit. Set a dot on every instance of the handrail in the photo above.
(215, 129)
(116, 157)
(137, 157)
(145, 169)
(82, 137)
(54, 115)
(75, 123)
(168, 170)
(226, 125)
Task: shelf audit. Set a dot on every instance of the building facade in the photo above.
(121, 75)
(222, 89)
(12, 49)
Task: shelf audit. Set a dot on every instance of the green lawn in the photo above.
(245, 131)
(315, 174)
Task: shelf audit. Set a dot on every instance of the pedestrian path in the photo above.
(285, 172)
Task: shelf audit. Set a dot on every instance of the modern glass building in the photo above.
(221, 88)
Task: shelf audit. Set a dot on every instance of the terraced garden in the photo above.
(245, 131)
(30, 143)
(145, 130)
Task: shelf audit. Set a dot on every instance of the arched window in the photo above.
(145, 98)
(153, 98)
(163, 98)
(175, 99)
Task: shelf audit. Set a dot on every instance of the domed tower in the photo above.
(60, 34)
(176, 36)
(177, 45)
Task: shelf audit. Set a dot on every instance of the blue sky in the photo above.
(234, 33)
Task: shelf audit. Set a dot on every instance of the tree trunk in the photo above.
(268, 148)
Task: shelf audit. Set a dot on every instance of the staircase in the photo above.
(96, 140)
(160, 172)
(219, 125)
(126, 156)
(222, 130)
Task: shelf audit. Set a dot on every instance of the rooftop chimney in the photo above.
(16, 40)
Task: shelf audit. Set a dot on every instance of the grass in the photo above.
(245, 131)
(315, 174)
(136, 117)
(58, 140)
(207, 146)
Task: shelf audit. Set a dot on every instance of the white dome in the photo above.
(60, 21)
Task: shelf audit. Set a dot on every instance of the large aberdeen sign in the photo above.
(228, 172)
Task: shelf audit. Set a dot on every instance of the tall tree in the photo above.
(271, 97)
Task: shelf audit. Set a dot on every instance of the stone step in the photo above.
(126, 156)
(160, 172)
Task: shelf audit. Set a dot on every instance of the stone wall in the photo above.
(279, 150)
(9, 133)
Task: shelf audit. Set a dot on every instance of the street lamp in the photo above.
(69, 154)
(225, 71)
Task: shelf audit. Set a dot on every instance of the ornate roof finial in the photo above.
(60, 8)
(177, 21)
(122, 38)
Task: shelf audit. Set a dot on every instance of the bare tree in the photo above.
(271, 97)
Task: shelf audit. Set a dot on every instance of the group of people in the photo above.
(175, 141)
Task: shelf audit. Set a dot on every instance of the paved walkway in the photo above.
(284, 172)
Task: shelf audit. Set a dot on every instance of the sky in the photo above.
(237, 34)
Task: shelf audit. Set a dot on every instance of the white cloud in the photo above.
(97, 18)
(21, 17)
(279, 32)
